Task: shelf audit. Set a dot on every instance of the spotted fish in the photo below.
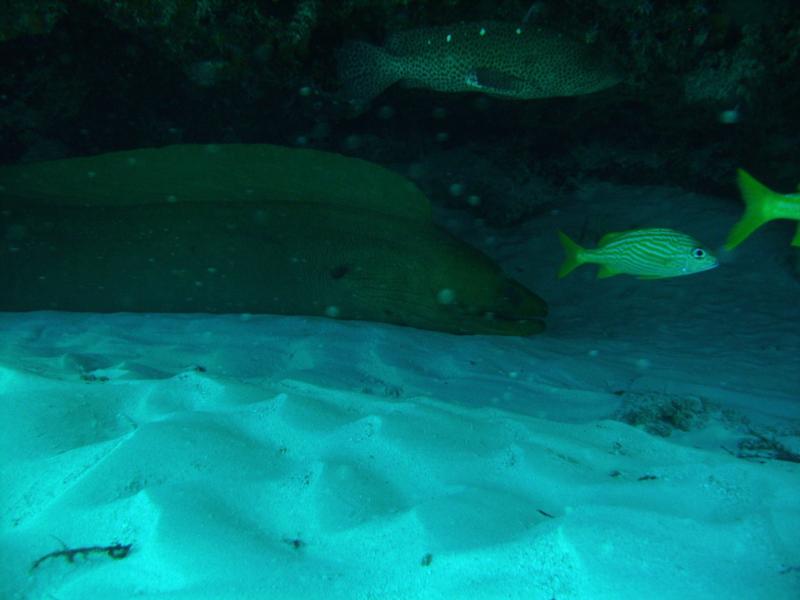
(499, 59)
(648, 253)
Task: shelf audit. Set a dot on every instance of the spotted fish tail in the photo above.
(364, 71)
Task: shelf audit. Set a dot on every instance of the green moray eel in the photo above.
(244, 229)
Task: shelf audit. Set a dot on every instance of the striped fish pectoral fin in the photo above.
(494, 80)
(604, 272)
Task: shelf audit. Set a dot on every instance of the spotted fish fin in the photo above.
(486, 78)
(604, 272)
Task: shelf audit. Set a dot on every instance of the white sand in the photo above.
(271, 457)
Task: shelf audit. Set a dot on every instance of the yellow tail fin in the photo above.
(572, 252)
(757, 198)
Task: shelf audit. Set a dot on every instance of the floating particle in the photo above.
(456, 189)
(352, 142)
(730, 117)
(386, 112)
(446, 296)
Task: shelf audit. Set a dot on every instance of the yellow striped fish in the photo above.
(649, 253)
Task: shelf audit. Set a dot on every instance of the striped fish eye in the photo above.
(699, 253)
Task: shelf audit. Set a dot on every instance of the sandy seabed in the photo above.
(641, 448)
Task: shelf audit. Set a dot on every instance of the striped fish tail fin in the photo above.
(758, 200)
(572, 258)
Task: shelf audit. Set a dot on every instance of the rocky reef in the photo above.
(708, 87)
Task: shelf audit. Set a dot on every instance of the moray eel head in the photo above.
(500, 306)
(483, 300)
(462, 291)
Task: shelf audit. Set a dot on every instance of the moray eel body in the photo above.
(244, 229)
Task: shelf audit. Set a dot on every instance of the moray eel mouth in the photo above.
(518, 311)
(511, 310)
(500, 324)
(494, 323)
